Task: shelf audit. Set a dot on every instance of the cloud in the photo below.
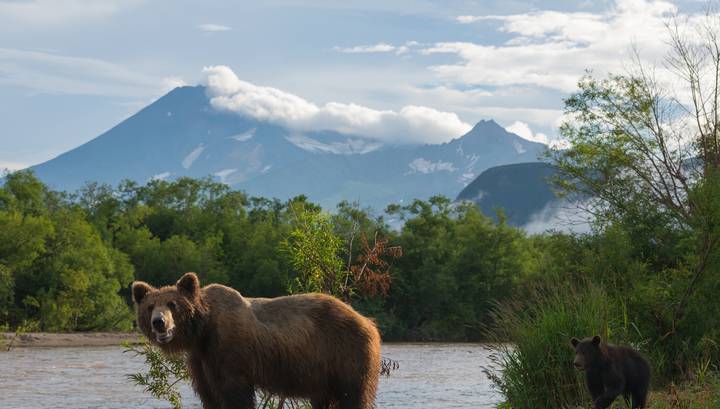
(367, 49)
(213, 28)
(562, 216)
(379, 48)
(552, 49)
(411, 124)
(523, 130)
(59, 74)
(52, 12)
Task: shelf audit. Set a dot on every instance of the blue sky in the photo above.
(71, 69)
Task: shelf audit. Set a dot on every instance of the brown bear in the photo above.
(310, 346)
(611, 371)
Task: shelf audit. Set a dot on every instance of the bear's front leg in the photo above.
(614, 386)
(595, 385)
(237, 395)
(201, 384)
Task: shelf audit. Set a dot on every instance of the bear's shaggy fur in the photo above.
(310, 346)
(612, 371)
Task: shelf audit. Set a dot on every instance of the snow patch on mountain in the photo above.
(161, 176)
(424, 166)
(466, 178)
(192, 156)
(245, 136)
(223, 174)
(349, 146)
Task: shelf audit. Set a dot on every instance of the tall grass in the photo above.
(532, 355)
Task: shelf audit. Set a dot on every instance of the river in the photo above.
(430, 376)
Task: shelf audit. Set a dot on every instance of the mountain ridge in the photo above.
(181, 134)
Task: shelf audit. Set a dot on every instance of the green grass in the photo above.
(537, 369)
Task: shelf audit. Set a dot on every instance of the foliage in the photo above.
(314, 252)
(456, 262)
(54, 268)
(162, 375)
(541, 327)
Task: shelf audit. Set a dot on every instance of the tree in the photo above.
(644, 146)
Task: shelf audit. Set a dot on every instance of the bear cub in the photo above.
(612, 371)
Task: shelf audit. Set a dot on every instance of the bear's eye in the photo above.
(172, 305)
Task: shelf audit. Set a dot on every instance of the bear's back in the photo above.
(633, 365)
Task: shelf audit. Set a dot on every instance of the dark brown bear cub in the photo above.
(309, 346)
(612, 371)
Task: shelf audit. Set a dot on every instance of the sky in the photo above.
(405, 71)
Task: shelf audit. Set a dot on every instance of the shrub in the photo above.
(535, 369)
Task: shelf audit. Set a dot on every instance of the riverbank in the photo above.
(74, 339)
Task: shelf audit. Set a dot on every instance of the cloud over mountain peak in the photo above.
(410, 125)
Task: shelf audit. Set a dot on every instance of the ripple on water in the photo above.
(431, 376)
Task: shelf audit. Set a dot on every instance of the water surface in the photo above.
(430, 376)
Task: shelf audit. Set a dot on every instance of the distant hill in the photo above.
(181, 134)
(521, 190)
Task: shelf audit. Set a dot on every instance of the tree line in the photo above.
(67, 259)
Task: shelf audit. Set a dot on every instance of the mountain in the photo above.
(521, 190)
(181, 134)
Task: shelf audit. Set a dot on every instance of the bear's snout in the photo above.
(158, 324)
(577, 363)
(162, 324)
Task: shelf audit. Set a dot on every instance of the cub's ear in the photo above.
(139, 290)
(189, 285)
(596, 340)
(574, 341)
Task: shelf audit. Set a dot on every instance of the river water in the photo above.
(430, 376)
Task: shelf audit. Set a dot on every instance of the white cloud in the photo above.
(59, 74)
(552, 49)
(468, 19)
(379, 48)
(213, 28)
(367, 49)
(51, 12)
(560, 215)
(411, 124)
(450, 95)
(523, 130)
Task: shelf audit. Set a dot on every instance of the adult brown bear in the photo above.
(612, 371)
(305, 346)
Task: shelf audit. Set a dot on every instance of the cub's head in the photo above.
(169, 316)
(588, 352)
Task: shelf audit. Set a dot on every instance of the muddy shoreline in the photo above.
(71, 339)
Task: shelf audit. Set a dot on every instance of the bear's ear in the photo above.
(574, 341)
(596, 340)
(139, 290)
(189, 285)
